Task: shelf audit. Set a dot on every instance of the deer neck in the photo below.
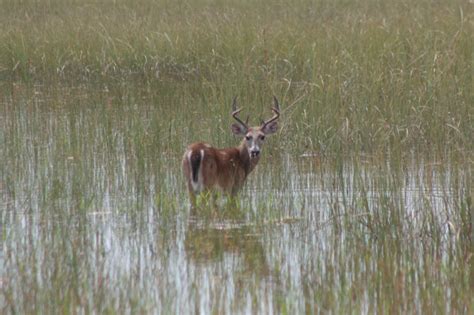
(247, 162)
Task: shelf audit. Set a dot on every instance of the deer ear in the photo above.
(270, 128)
(238, 130)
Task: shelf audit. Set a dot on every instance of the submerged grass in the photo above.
(95, 218)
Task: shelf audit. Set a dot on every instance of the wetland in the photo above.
(361, 202)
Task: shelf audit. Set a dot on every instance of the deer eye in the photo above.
(248, 138)
(262, 137)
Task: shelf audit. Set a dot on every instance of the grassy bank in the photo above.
(369, 75)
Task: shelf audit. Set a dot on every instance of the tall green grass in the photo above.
(368, 75)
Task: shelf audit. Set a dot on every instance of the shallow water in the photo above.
(95, 217)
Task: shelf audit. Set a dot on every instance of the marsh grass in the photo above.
(361, 203)
(93, 198)
(95, 218)
(358, 76)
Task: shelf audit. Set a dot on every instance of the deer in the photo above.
(209, 170)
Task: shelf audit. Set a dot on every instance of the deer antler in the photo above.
(276, 110)
(236, 111)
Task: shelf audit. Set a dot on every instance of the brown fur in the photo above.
(221, 169)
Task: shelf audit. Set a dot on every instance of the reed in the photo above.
(360, 76)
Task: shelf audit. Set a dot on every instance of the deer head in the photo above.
(254, 137)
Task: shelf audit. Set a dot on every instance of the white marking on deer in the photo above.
(197, 186)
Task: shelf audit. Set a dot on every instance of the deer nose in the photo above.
(254, 153)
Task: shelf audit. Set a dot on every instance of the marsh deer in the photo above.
(208, 169)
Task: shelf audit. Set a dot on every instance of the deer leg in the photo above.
(192, 196)
(234, 192)
(214, 198)
(232, 199)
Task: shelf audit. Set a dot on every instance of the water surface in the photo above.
(95, 217)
